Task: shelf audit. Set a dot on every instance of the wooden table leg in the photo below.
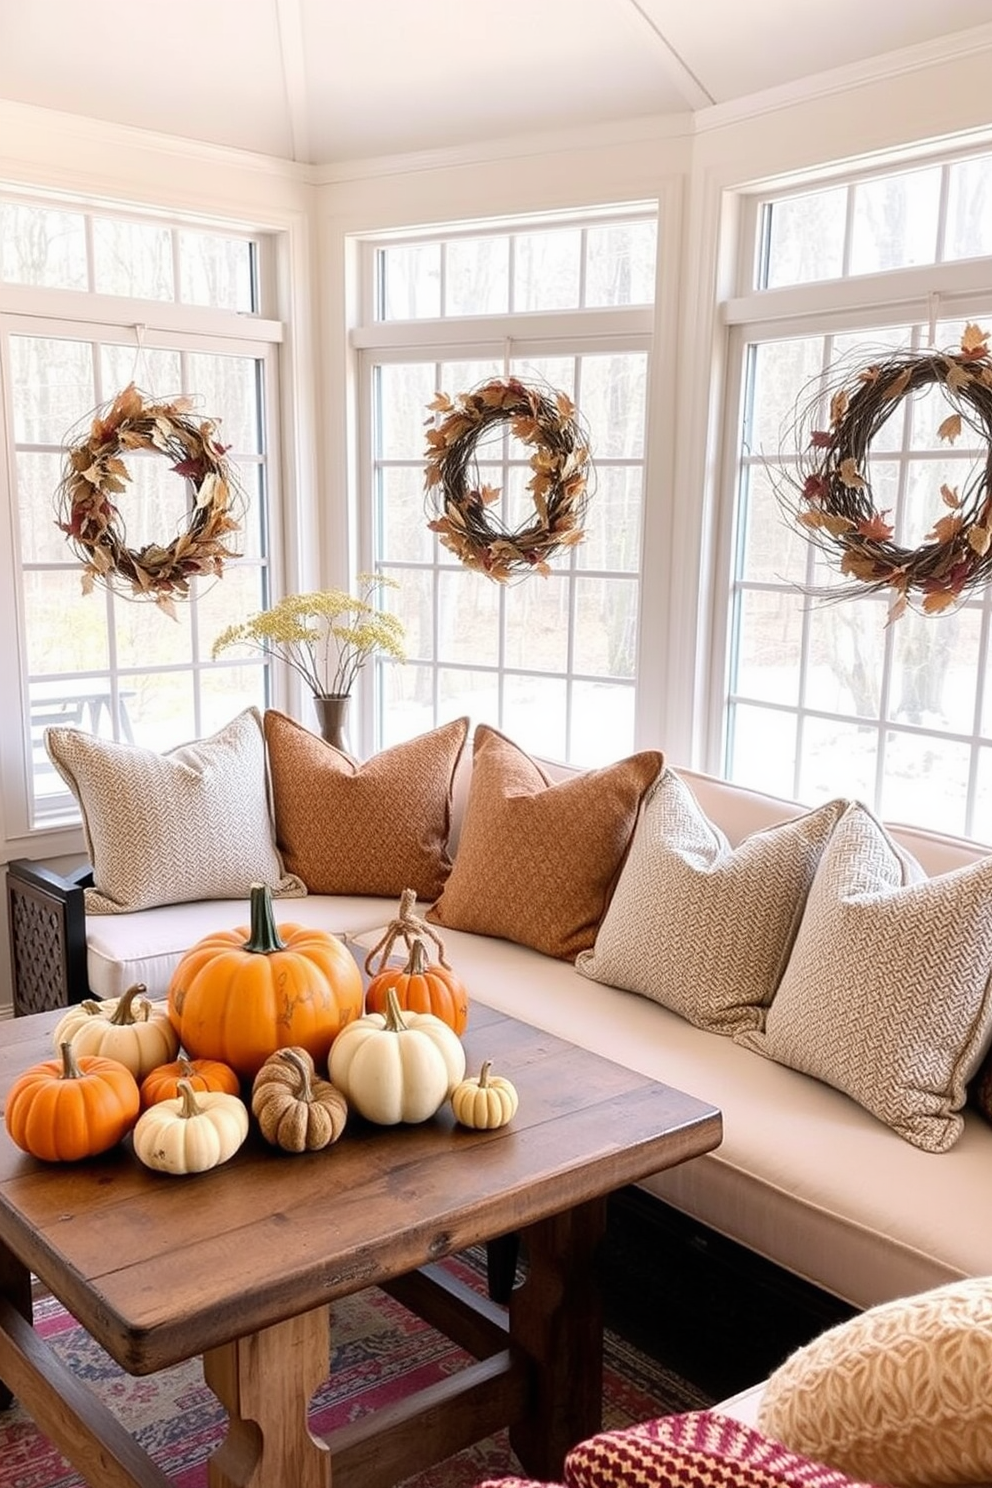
(556, 1317)
(15, 1288)
(266, 1381)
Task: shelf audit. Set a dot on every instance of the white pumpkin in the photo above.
(80, 1013)
(137, 1033)
(196, 1131)
(396, 1067)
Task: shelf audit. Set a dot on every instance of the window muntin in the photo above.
(824, 697)
(551, 661)
(124, 669)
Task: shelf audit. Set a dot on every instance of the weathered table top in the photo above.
(159, 1269)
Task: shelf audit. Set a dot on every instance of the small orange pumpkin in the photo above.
(72, 1107)
(421, 987)
(240, 1000)
(203, 1074)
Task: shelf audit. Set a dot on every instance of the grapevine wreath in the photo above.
(831, 495)
(94, 475)
(463, 506)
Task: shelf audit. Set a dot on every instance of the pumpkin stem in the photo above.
(394, 1015)
(484, 1075)
(70, 1065)
(417, 963)
(124, 1013)
(187, 1095)
(411, 927)
(263, 936)
(303, 1067)
(91, 1006)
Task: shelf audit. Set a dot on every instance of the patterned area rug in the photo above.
(380, 1353)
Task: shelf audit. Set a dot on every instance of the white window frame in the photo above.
(945, 291)
(498, 338)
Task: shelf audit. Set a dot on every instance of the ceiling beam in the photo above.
(688, 84)
(289, 18)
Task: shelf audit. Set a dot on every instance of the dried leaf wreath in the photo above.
(831, 495)
(463, 506)
(94, 475)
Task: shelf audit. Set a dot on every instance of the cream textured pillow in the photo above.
(887, 992)
(374, 828)
(902, 1393)
(673, 931)
(193, 823)
(537, 861)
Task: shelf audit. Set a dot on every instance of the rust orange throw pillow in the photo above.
(377, 827)
(537, 860)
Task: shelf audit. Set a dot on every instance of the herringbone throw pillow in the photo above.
(704, 928)
(901, 1393)
(537, 860)
(193, 823)
(887, 993)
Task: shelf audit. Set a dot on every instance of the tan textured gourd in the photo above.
(191, 1133)
(485, 1102)
(137, 1033)
(397, 1066)
(294, 1109)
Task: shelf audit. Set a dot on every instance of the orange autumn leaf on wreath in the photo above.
(876, 527)
(974, 341)
(950, 429)
(949, 496)
(946, 529)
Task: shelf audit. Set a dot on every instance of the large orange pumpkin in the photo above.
(72, 1107)
(421, 987)
(239, 1000)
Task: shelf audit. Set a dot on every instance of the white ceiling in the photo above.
(328, 81)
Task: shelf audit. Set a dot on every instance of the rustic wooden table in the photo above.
(240, 1265)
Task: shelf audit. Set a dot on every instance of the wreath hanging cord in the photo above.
(94, 475)
(831, 495)
(462, 505)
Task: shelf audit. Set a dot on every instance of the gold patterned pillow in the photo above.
(704, 928)
(537, 860)
(888, 992)
(902, 1393)
(194, 823)
(376, 827)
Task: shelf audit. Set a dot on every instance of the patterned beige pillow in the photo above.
(887, 993)
(193, 823)
(537, 861)
(901, 1393)
(673, 930)
(373, 828)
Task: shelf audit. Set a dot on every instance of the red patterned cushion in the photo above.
(699, 1449)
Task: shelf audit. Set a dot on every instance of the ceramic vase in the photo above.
(332, 719)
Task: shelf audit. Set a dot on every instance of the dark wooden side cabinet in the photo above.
(46, 920)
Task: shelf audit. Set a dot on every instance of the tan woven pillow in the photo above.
(887, 993)
(673, 931)
(902, 1393)
(193, 823)
(537, 861)
(373, 828)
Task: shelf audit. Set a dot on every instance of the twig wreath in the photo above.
(831, 495)
(94, 475)
(463, 505)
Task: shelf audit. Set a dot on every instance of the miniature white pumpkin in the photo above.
(137, 1034)
(396, 1066)
(194, 1132)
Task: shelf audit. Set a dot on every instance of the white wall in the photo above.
(696, 168)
